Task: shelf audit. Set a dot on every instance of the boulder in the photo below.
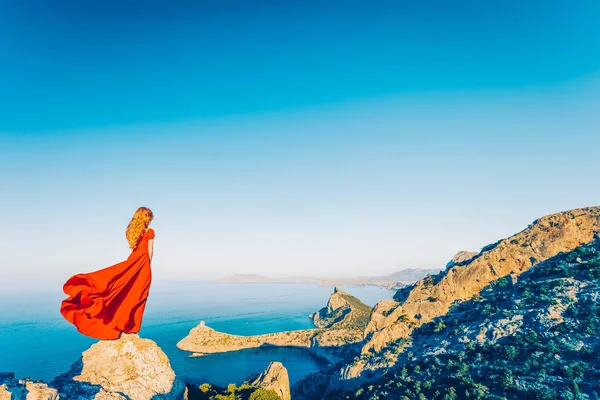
(130, 367)
(275, 378)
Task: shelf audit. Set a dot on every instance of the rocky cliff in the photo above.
(532, 336)
(127, 368)
(432, 297)
(342, 322)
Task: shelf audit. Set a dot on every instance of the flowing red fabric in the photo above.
(104, 303)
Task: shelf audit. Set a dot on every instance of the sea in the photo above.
(36, 342)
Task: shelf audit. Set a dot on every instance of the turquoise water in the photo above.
(36, 342)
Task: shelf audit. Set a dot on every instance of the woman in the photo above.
(106, 303)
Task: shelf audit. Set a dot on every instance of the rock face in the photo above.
(339, 324)
(275, 378)
(420, 303)
(127, 368)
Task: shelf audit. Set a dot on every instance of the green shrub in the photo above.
(264, 394)
(205, 387)
(440, 326)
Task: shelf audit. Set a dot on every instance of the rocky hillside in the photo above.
(533, 336)
(433, 296)
(339, 325)
(128, 368)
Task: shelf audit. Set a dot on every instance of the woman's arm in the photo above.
(150, 248)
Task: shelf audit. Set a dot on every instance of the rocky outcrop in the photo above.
(275, 378)
(127, 368)
(342, 311)
(12, 388)
(131, 366)
(339, 324)
(433, 296)
(4, 393)
(40, 391)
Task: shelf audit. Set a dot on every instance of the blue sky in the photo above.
(327, 138)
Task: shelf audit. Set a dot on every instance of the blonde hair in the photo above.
(137, 226)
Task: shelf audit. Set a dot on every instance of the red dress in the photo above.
(104, 303)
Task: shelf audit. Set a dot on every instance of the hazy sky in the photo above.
(287, 139)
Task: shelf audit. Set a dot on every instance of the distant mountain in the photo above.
(410, 275)
(255, 278)
(392, 281)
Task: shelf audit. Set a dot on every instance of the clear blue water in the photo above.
(36, 342)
